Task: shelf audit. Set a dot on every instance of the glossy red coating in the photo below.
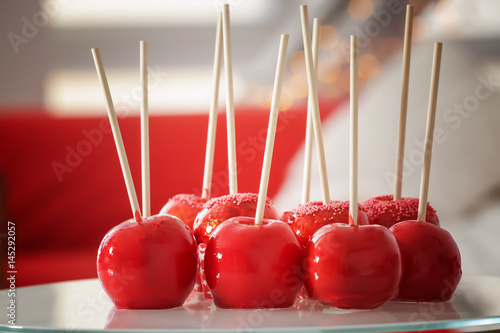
(253, 267)
(218, 210)
(352, 267)
(149, 264)
(285, 216)
(432, 265)
(185, 207)
(307, 218)
(387, 212)
(201, 271)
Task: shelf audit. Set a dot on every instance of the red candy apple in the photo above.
(285, 215)
(185, 207)
(387, 212)
(352, 266)
(218, 210)
(253, 266)
(307, 218)
(150, 264)
(431, 262)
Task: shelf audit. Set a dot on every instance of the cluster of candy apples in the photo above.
(346, 255)
(248, 266)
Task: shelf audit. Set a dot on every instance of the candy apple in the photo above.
(218, 210)
(149, 264)
(285, 216)
(253, 266)
(387, 212)
(185, 207)
(432, 266)
(307, 218)
(352, 267)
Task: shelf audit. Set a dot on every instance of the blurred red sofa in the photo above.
(62, 184)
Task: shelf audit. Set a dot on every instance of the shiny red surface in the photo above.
(185, 207)
(253, 267)
(387, 212)
(220, 209)
(201, 271)
(306, 219)
(432, 266)
(352, 267)
(149, 264)
(285, 216)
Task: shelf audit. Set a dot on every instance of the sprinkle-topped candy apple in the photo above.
(383, 210)
(220, 209)
(388, 210)
(349, 265)
(306, 178)
(217, 210)
(187, 206)
(150, 262)
(253, 262)
(307, 218)
(432, 265)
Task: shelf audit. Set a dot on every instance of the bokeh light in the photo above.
(360, 10)
(328, 37)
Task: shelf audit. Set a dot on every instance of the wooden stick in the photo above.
(404, 103)
(316, 119)
(353, 168)
(122, 155)
(271, 130)
(146, 183)
(228, 68)
(212, 117)
(429, 132)
(306, 179)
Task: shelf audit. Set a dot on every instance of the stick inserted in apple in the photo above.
(187, 206)
(349, 265)
(432, 265)
(252, 262)
(388, 210)
(308, 217)
(217, 210)
(145, 263)
(308, 142)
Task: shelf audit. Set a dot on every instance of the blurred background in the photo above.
(59, 176)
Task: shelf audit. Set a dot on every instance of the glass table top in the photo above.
(83, 306)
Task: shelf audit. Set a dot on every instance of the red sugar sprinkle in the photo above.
(400, 210)
(189, 199)
(314, 207)
(235, 199)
